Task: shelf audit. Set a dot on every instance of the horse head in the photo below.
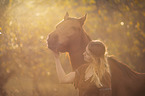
(69, 36)
(66, 34)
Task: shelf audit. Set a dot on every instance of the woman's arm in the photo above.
(62, 76)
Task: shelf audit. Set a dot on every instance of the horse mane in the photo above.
(85, 36)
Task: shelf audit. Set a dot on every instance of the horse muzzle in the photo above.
(54, 45)
(51, 42)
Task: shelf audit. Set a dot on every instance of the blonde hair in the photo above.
(98, 66)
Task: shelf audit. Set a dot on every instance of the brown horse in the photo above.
(70, 37)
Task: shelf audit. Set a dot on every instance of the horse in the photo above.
(69, 36)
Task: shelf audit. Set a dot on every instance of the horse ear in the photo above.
(66, 16)
(82, 19)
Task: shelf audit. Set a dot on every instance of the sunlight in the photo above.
(0, 30)
(10, 23)
(122, 23)
(48, 73)
(41, 37)
(24, 28)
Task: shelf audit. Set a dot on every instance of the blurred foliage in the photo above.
(26, 65)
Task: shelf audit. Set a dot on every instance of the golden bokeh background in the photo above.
(26, 64)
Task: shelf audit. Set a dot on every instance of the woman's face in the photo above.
(87, 55)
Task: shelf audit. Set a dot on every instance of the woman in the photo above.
(92, 79)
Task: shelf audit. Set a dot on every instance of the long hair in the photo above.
(99, 65)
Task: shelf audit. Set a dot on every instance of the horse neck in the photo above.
(76, 54)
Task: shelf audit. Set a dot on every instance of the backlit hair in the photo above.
(99, 64)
